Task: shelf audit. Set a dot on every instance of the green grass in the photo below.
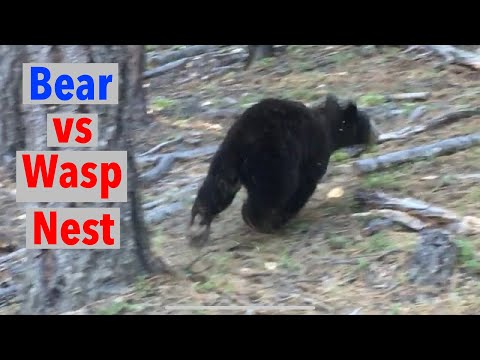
(381, 180)
(371, 99)
(340, 156)
(287, 262)
(117, 307)
(466, 255)
(342, 57)
(378, 242)
(161, 103)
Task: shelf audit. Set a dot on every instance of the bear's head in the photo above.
(349, 125)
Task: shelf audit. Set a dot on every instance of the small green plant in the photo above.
(338, 242)
(362, 264)
(371, 99)
(161, 103)
(340, 156)
(394, 309)
(466, 255)
(223, 262)
(287, 262)
(207, 286)
(378, 242)
(116, 308)
(341, 57)
(266, 62)
(143, 287)
(383, 180)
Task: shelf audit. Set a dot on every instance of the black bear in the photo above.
(278, 150)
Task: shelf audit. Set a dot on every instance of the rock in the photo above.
(434, 258)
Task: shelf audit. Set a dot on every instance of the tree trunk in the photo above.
(257, 52)
(62, 280)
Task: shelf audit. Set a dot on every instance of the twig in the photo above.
(409, 96)
(166, 161)
(442, 120)
(443, 147)
(189, 267)
(178, 139)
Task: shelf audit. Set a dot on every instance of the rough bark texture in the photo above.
(62, 280)
(12, 129)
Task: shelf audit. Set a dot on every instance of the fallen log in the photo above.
(439, 148)
(165, 162)
(431, 215)
(409, 96)
(456, 55)
(160, 70)
(441, 120)
(475, 177)
(175, 55)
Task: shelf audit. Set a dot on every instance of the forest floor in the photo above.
(323, 258)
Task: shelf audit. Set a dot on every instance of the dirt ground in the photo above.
(323, 258)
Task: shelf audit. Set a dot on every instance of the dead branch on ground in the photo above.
(474, 177)
(396, 216)
(164, 163)
(409, 96)
(455, 55)
(175, 55)
(441, 120)
(431, 215)
(160, 70)
(447, 146)
(177, 140)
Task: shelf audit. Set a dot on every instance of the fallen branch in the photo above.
(430, 214)
(159, 147)
(409, 96)
(439, 148)
(165, 162)
(157, 215)
(175, 55)
(395, 216)
(163, 166)
(455, 55)
(160, 70)
(441, 120)
(454, 177)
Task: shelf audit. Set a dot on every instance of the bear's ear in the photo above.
(351, 110)
(331, 104)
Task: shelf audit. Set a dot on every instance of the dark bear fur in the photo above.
(278, 150)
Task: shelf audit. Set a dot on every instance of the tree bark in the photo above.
(257, 52)
(57, 281)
